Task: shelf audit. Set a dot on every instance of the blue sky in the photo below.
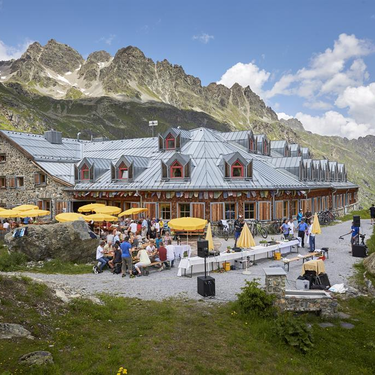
(278, 47)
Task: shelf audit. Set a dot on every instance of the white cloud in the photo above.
(245, 75)
(360, 102)
(10, 52)
(334, 123)
(203, 38)
(328, 72)
(318, 105)
(284, 116)
(107, 40)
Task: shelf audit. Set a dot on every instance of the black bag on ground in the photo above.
(318, 286)
(117, 268)
(311, 276)
(323, 280)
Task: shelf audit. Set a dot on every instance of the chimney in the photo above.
(53, 136)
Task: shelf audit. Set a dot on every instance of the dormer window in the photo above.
(85, 172)
(265, 147)
(123, 172)
(237, 169)
(176, 170)
(170, 142)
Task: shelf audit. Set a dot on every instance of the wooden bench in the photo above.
(304, 258)
(199, 232)
(145, 270)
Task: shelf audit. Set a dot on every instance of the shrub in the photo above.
(253, 300)
(294, 332)
(11, 262)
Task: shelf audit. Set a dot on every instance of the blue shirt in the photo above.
(355, 231)
(285, 228)
(157, 242)
(302, 227)
(26, 220)
(125, 248)
(299, 217)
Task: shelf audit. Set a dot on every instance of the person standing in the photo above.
(372, 214)
(126, 258)
(238, 225)
(311, 238)
(355, 234)
(144, 228)
(291, 227)
(299, 216)
(302, 228)
(285, 229)
(133, 227)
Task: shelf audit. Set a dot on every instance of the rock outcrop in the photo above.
(38, 358)
(369, 263)
(65, 241)
(10, 331)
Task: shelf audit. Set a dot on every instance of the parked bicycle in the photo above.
(326, 217)
(274, 227)
(221, 229)
(257, 227)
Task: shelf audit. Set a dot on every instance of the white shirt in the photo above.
(291, 226)
(99, 252)
(133, 227)
(150, 249)
(170, 252)
(116, 238)
(157, 226)
(110, 238)
(309, 231)
(6, 225)
(144, 223)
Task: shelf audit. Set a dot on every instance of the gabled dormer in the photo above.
(128, 167)
(252, 143)
(334, 170)
(306, 154)
(263, 145)
(235, 166)
(326, 174)
(317, 172)
(341, 172)
(295, 150)
(279, 149)
(90, 169)
(178, 167)
(309, 169)
(173, 139)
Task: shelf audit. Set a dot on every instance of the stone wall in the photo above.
(275, 284)
(18, 165)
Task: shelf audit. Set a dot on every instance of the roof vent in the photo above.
(53, 136)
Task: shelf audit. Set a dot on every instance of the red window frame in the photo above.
(251, 144)
(121, 169)
(176, 165)
(237, 165)
(167, 140)
(265, 148)
(84, 169)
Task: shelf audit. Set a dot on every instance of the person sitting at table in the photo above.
(170, 254)
(144, 260)
(100, 256)
(116, 261)
(167, 239)
(133, 240)
(151, 249)
(162, 257)
(152, 234)
(108, 252)
(158, 241)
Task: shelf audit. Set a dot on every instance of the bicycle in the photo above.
(221, 229)
(274, 227)
(257, 227)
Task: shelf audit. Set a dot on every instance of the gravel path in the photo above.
(162, 285)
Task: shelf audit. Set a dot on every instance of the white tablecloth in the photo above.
(254, 253)
(180, 249)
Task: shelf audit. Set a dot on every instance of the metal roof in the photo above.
(278, 144)
(206, 149)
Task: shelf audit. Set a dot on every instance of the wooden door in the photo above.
(217, 212)
(151, 207)
(197, 210)
(264, 209)
(279, 208)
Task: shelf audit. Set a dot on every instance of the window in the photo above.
(85, 172)
(249, 210)
(3, 158)
(230, 211)
(12, 182)
(265, 148)
(170, 143)
(20, 182)
(40, 179)
(165, 211)
(176, 170)
(237, 169)
(286, 209)
(123, 172)
(184, 209)
(3, 182)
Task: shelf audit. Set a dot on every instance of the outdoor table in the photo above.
(179, 251)
(287, 246)
(314, 265)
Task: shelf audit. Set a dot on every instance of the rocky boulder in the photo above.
(65, 241)
(10, 331)
(369, 263)
(38, 358)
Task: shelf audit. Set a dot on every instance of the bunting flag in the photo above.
(158, 194)
(196, 194)
(205, 194)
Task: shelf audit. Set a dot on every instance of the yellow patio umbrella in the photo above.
(315, 227)
(109, 210)
(209, 237)
(9, 213)
(26, 207)
(90, 207)
(133, 211)
(246, 239)
(34, 213)
(100, 217)
(2, 209)
(187, 223)
(68, 216)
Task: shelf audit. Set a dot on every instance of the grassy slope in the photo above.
(175, 336)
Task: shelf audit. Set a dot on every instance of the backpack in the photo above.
(117, 268)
